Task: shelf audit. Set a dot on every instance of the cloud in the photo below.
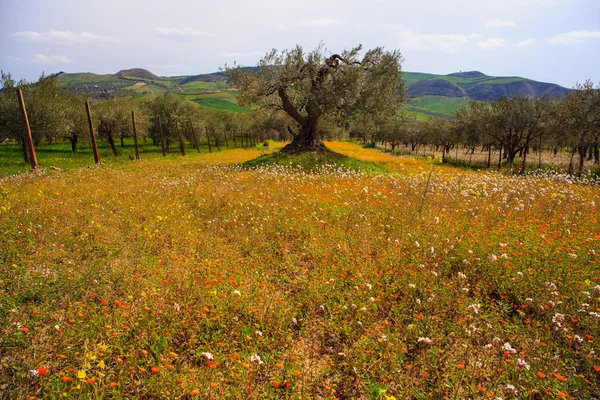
(527, 42)
(411, 40)
(64, 37)
(491, 42)
(180, 33)
(322, 22)
(499, 23)
(52, 60)
(574, 37)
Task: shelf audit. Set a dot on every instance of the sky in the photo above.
(554, 41)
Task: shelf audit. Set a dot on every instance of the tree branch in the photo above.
(289, 108)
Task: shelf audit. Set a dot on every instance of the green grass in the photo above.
(199, 85)
(314, 161)
(59, 155)
(221, 105)
(420, 116)
(84, 77)
(440, 104)
(463, 82)
(413, 77)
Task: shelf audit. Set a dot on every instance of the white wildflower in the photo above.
(255, 358)
(508, 348)
(522, 363)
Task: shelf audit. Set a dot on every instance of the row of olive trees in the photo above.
(513, 127)
(56, 114)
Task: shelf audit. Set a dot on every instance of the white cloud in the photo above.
(491, 42)
(322, 22)
(527, 42)
(52, 60)
(574, 37)
(64, 37)
(499, 23)
(411, 40)
(180, 33)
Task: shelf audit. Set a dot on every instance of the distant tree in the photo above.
(46, 102)
(113, 120)
(193, 121)
(163, 112)
(78, 127)
(10, 127)
(310, 86)
(579, 116)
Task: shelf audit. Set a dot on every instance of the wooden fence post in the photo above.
(34, 163)
(135, 138)
(162, 138)
(92, 134)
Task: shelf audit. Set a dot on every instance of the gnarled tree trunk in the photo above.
(307, 140)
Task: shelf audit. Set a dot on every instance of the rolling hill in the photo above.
(430, 95)
(443, 95)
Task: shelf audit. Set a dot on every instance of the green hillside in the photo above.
(430, 95)
(438, 104)
(443, 95)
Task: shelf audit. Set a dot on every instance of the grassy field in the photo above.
(439, 104)
(193, 277)
(58, 156)
(221, 104)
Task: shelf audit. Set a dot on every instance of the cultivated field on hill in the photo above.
(193, 277)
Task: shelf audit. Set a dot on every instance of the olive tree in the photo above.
(308, 86)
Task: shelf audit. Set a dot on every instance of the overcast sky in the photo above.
(547, 40)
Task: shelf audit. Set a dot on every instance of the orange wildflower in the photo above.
(560, 377)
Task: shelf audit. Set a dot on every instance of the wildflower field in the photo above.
(202, 279)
